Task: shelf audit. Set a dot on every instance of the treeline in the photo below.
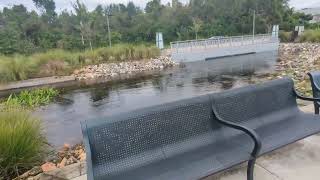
(26, 32)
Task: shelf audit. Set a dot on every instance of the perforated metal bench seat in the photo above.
(271, 110)
(194, 138)
(180, 140)
(288, 131)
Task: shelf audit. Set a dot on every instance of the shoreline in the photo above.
(91, 74)
(292, 57)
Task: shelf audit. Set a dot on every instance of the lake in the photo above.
(84, 102)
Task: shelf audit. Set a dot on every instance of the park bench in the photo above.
(315, 84)
(197, 137)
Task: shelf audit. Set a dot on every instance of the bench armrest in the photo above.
(306, 98)
(313, 76)
(88, 150)
(253, 135)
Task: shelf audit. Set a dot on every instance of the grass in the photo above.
(310, 36)
(285, 36)
(60, 62)
(22, 143)
(31, 99)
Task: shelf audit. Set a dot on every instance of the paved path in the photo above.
(298, 161)
(55, 81)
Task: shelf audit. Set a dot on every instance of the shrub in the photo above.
(31, 99)
(22, 143)
(285, 36)
(310, 36)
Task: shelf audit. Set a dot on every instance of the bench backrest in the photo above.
(122, 142)
(255, 102)
(315, 83)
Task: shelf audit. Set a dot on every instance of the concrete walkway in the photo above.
(298, 161)
(55, 81)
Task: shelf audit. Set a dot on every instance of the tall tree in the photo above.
(47, 7)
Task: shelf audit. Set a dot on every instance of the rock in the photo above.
(66, 147)
(29, 175)
(113, 70)
(48, 167)
(82, 156)
(295, 60)
(78, 152)
(76, 72)
(35, 171)
(71, 160)
(63, 163)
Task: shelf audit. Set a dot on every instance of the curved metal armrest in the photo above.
(312, 78)
(316, 86)
(306, 98)
(253, 135)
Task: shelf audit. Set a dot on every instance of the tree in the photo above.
(25, 32)
(47, 7)
(83, 18)
(197, 24)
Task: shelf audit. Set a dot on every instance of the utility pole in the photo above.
(109, 31)
(254, 24)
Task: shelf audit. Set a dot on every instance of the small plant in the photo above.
(31, 99)
(22, 143)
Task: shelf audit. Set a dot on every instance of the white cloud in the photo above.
(299, 4)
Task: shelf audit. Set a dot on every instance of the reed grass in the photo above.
(61, 62)
(312, 36)
(22, 142)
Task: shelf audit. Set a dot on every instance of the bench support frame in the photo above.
(253, 135)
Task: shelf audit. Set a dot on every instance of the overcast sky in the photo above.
(91, 4)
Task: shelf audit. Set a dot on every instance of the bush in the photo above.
(310, 36)
(285, 36)
(31, 99)
(22, 143)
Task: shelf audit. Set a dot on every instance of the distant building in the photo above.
(316, 19)
(313, 11)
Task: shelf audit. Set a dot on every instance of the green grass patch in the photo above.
(31, 99)
(285, 36)
(60, 62)
(310, 36)
(22, 143)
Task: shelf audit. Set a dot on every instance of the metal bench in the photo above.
(315, 84)
(178, 141)
(194, 138)
(270, 110)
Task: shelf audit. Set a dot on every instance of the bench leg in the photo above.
(250, 169)
(316, 109)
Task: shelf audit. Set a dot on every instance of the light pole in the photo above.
(254, 24)
(109, 31)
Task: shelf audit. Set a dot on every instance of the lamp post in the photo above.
(254, 24)
(109, 30)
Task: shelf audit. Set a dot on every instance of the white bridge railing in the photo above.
(190, 45)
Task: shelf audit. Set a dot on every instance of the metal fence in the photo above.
(190, 45)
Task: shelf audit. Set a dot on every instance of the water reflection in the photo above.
(78, 103)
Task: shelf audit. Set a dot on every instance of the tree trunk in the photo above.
(90, 45)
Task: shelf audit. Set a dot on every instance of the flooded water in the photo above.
(78, 103)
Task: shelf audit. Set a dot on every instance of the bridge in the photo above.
(205, 49)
